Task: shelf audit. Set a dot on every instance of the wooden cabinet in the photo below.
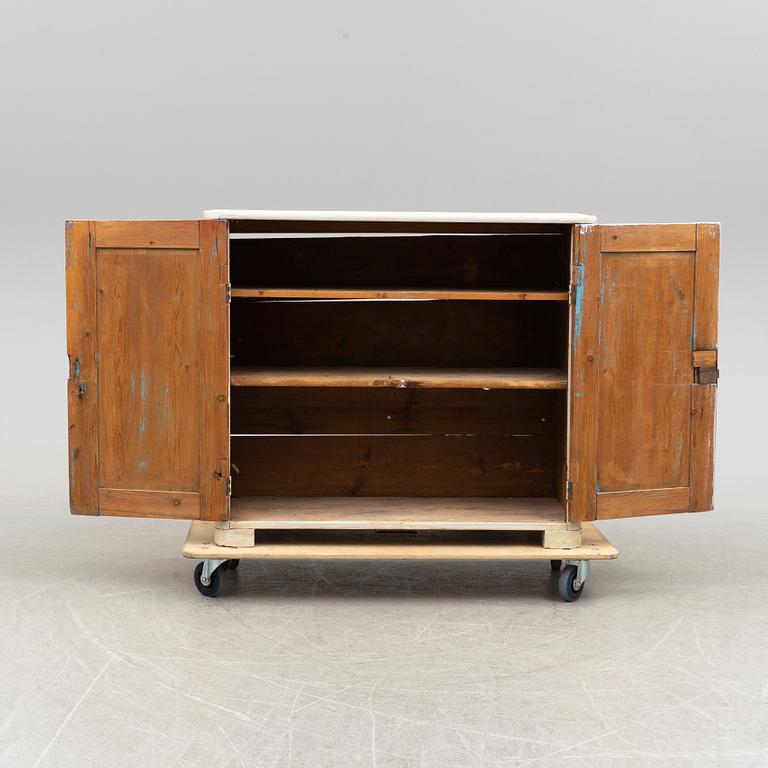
(299, 370)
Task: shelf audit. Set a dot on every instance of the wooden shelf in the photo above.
(402, 378)
(396, 513)
(397, 293)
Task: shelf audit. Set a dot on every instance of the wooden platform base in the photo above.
(396, 545)
(251, 517)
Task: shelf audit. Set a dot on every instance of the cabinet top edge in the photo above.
(425, 217)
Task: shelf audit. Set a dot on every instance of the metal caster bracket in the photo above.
(582, 572)
(209, 566)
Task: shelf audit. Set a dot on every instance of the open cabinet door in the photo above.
(148, 389)
(643, 369)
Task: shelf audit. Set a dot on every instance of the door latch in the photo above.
(705, 370)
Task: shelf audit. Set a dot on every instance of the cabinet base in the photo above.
(395, 545)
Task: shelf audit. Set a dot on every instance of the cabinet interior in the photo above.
(425, 367)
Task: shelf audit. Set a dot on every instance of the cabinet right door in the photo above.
(644, 370)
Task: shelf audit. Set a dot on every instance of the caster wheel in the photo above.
(209, 590)
(565, 584)
(232, 565)
(555, 565)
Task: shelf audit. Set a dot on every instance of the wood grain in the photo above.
(707, 281)
(393, 513)
(150, 368)
(388, 465)
(649, 501)
(654, 426)
(83, 383)
(214, 358)
(703, 401)
(705, 358)
(704, 396)
(151, 416)
(377, 411)
(146, 234)
(584, 378)
(402, 378)
(646, 322)
(138, 503)
(645, 238)
(367, 545)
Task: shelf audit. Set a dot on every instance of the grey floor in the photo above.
(111, 658)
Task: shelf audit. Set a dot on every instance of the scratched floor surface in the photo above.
(111, 658)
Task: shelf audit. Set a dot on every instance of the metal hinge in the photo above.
(576, 275)
(229, 485)
(228, 293)
(569, 491)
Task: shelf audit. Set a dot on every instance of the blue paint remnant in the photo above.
(144, 387)
(142, 426)
(72, 469)
(579, 305)
(133, 385)
(578, 394)
(142, 464)
(678, 452)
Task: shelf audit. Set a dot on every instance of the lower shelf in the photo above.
(396, 513)
(368, 545)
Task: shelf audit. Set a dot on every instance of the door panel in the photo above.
(149, 368)
(644, 359)
(148, 345)
(644, 349)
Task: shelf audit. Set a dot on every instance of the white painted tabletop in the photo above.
(430, 217)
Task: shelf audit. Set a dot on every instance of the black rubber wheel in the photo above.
(565, 584)
(556, 565)
(232, 565)
(212, 589)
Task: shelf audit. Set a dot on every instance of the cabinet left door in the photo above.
(148, 388)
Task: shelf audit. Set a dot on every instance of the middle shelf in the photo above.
(401, 378)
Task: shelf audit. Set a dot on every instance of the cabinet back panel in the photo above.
(396, 333)
(500, 261)
(385, 410)
(395, 465)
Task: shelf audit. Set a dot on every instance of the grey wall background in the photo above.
(653, 111)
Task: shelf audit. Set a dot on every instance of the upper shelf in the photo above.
(398, 293)
(449, 378)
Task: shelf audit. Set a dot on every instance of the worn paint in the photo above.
(142, 464)
(578, 308)
(144, 387)
(142, 426)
